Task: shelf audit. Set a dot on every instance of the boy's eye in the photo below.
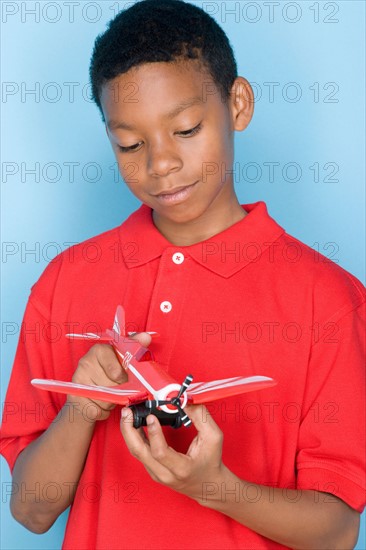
(130, 148)
(185, 133)
(192, 131)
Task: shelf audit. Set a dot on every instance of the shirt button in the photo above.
(166, 307)
(178, 258)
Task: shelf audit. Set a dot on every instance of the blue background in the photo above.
(309, 54)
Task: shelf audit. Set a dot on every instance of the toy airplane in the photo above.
(150, 389)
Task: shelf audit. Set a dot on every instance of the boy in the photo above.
(219, 283)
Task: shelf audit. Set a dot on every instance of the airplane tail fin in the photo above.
(116, 335)
(119, 330)
(119, 321)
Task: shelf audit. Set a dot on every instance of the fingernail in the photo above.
(150, 420)
(117, 375)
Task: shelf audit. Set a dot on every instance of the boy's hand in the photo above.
(100, 367)
(183, 473)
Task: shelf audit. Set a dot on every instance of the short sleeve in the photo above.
(27, 412)
(331, 445)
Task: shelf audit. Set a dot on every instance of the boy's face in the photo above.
(172, 135)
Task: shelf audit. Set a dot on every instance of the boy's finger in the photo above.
(144, 338)
(202, 420)
(139, 446)
(159, 448)
(133, 438)
(110, 364)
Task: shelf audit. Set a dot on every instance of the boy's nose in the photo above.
(162, 160)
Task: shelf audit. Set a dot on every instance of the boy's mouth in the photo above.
(178, 194)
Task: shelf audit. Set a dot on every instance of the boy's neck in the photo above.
(212, 222)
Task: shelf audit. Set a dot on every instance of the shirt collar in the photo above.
(224, 253)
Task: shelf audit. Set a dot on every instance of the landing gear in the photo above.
(141, 411)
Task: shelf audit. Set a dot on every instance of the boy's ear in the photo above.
(242, 103)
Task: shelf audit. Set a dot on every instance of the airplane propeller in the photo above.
(175, 401)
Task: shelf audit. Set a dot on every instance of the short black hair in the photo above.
(161, 30)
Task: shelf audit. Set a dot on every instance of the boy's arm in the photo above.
(313, 521)
(56, 459)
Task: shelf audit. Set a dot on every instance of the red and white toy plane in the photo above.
(150, 389)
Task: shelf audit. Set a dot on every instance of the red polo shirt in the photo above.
(250, 300)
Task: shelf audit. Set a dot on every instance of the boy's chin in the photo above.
(178, 214)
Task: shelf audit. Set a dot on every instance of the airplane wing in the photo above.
(205, 392)
(122, 394)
